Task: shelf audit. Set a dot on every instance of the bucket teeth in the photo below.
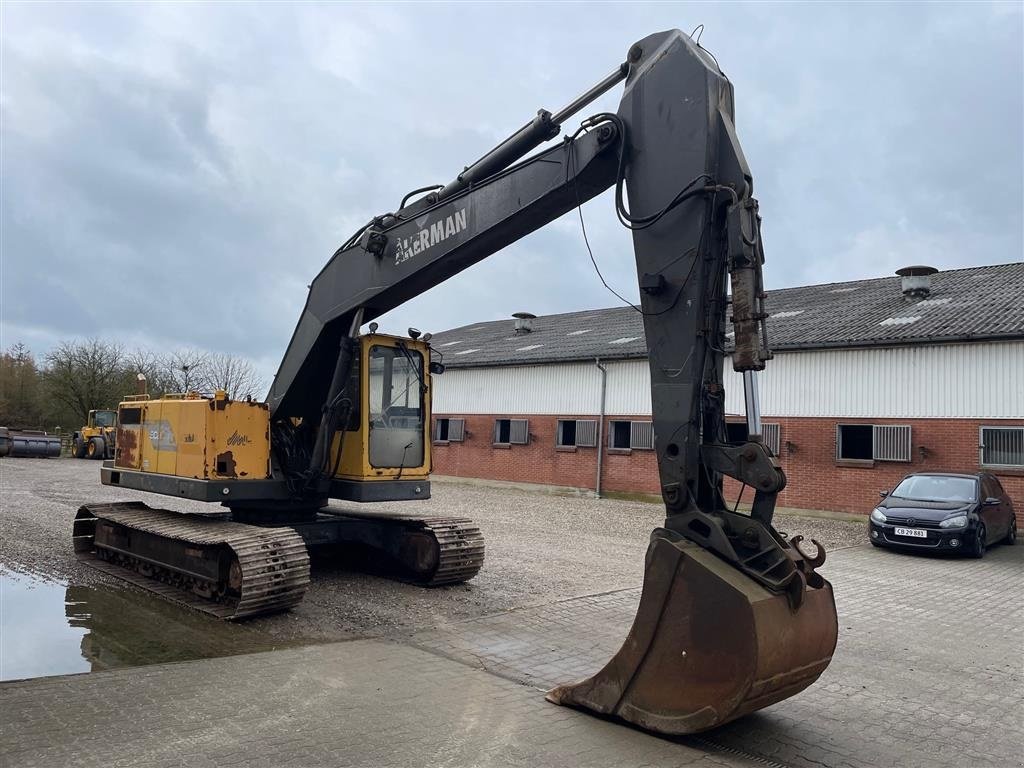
(708, 645)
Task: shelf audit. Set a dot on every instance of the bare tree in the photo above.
(83, 375)
(185, 369)
(154, 367)
(234, 374)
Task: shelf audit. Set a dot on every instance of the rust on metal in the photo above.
(127, 442)
(708, 645)
(225, 464)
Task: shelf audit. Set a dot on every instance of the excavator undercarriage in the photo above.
(733, 615)
(236, 570)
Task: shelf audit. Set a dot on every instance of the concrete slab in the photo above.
(360, 703)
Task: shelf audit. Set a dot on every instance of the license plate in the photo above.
(915, 532)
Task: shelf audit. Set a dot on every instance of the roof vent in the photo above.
(524, 322)
(917, 281)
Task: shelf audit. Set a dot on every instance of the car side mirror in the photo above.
(437, 368)
(883, 494)
(992, 501)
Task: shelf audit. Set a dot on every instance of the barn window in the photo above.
(511, 431)
(771, 433)
(873, 442)
(641, 435)
(618, 434)
(631, 434)
(581, 433)
(449, 430)
(1002, 446)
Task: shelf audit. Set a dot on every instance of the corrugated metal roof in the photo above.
(964, 304)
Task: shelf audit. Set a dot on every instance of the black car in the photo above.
(944, 512)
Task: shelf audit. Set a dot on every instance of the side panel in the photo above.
(197, 438)
(192, 439)
(129, 444)
(163, 434)
(240, 439)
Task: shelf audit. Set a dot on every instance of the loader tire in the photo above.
(80, 448)
(96, 448)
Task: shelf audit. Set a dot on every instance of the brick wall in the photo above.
(540, 461)
(808, 449)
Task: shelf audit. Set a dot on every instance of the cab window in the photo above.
(104, 418)
(396, 407)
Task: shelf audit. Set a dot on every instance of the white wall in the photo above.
(981, 380)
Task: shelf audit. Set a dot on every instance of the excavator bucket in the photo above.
(708, 645)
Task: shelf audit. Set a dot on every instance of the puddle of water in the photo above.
(51, 628)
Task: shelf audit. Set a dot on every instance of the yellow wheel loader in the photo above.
(733, 615)
(97, 438)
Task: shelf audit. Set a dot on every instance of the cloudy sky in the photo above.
(174, 175)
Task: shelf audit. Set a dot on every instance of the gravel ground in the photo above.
(541, 548)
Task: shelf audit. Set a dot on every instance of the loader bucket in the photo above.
(708, 645)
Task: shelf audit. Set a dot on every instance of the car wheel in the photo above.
(978, 548)
(1011, 535)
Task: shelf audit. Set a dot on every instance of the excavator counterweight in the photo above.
(733, 615)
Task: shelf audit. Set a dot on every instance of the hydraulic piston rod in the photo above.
(752, 402)
(543, 127)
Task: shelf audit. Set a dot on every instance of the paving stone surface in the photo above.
(928, 673)
(929, 670)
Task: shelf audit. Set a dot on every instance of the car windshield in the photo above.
(936, 488)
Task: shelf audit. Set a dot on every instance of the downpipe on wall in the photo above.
(600, 427)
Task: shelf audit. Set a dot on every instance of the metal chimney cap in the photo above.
(916, 281)
(524, 322)
(917, 270)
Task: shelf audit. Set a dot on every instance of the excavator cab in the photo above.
(386, 438)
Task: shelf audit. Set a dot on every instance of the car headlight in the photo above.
(878, 516)
(959, 521)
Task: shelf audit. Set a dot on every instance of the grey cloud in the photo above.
(196, 165)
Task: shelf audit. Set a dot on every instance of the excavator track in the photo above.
(432, 551)
(461, 549)
(227, 569)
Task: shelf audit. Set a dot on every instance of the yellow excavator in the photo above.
(733, 616)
